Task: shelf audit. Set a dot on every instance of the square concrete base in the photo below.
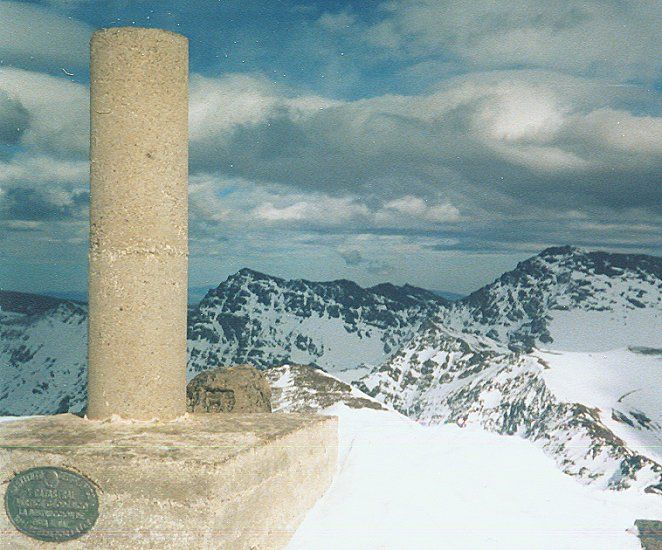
(204, 481)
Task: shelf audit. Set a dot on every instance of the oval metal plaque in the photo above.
(51, 504)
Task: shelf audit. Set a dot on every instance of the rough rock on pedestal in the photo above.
(650, 533)
(238, 389)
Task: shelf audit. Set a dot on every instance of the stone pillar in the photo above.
(138, 224)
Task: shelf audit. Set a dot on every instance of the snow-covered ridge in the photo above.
(563, 298)
(597, 415)
(302, 388)
(250, 317)
(43, 362)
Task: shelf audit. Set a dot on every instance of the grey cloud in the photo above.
(354, 258)
(487, 142)
(379, 267)
(633, 232)
(608, 39)
(35, 188)
(14, 119)
(39, 204)
(40, 38)
(351, 257)
(58, 112)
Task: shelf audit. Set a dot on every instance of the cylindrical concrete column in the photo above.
(138, 224)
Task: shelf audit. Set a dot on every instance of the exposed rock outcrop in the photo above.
(305, 389)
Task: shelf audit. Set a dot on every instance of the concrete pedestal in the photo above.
(239, 481)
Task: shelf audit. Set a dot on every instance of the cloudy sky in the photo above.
(434, 142)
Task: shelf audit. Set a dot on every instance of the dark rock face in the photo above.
(240, 389)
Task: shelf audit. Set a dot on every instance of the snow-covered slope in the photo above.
(400, 485)
(597, 416)
(302, 388)
(42, 354)
(568, 299)
(622, 386)
(262, 320)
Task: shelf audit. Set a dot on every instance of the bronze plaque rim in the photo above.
(41, 533)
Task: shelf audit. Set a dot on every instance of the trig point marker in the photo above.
(138, 224)
(207, 480)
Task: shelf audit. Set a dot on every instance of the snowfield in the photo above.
(597, 414)
(401, 485)
(622, 385)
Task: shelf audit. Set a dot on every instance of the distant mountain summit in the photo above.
(570, 299)
(590, 401)
(23, 303)
(338, 325)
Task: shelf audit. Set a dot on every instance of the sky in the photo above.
(430, 142)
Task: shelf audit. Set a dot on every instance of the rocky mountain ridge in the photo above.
(255, 318)
(249, 318)
(43, 354)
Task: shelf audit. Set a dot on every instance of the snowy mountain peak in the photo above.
(245, 274)
(568, 298)
(264, 320)
(596, 262)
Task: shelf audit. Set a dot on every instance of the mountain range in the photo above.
(505, 357)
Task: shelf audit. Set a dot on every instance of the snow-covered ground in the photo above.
(403, 485)
(623, 386)
(597, 414)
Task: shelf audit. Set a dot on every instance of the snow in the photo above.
(13, 418)
(403, 485)
(43, 360)
(619, 380)
(579, 330)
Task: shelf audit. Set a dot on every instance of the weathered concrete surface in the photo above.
(138, 223)
(650, 533)
(204, 481)
(239, 389)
